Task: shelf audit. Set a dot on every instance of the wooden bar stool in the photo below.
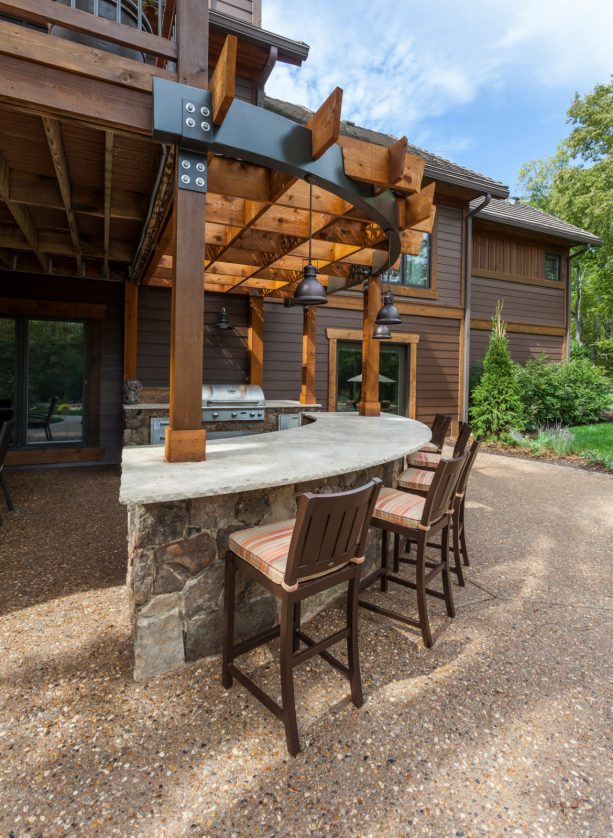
(417, 482)
(439, 427)
(417, 518)
(296, 559)
(429, 460)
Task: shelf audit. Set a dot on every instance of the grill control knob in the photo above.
(260, 415)
(252, 414)
(215, 414)
(234, 414)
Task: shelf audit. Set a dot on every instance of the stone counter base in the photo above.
(176, 569)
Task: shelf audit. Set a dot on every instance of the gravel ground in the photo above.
(500, 729)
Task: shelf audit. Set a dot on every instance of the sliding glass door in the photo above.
(42, 380)
(393, 377)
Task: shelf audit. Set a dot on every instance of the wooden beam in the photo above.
(369, 402)
(223, 80)
(255, 338)
(108, 183)
(130, 331)
(325, 124)
(374, 164)
(58, 157)
(14, 307)
(185, 438)
(21, 215)
(46, 11)
(309, 344)
(418, 207)
(396, 154)
(156, 237)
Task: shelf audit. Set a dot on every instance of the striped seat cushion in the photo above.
(431, 448)
(266, 549)
(421, 459)
(416, 479)
(399, 508)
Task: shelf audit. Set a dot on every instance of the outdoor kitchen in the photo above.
(227, 411)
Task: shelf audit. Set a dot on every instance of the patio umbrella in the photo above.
(383, 379)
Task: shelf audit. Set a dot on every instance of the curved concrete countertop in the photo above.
(333, 444)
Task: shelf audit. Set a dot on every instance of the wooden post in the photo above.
(185, 437)
(370, 404)
(255, 340)
(130, 331)
(309, 342)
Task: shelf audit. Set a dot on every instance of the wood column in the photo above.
(255, 340)
(185, 438)
(370, 404)
(309, 342)
(130, 331)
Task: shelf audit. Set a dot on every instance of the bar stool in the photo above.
(418, 483)
(439, 427)
(429, 460)
(417, 518)
(296, 559)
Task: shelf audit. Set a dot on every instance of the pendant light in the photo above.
(388, 313)
(382, 332)
(310, 292)
(223, 321)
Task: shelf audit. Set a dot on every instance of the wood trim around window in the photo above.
(334, 335)
(20, 307)
(520, 328)
(560, 284)
(430, 293)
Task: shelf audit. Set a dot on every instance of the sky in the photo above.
(485, 83)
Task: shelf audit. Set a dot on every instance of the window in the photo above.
(393, 379)
(414, 270)
(42, 379)
(553, 266)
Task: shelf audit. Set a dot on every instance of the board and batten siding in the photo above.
(509, 254)
(226, 359)
(437, 355)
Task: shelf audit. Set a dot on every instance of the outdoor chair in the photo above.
(6, 431)
(417, 518)
(37, 421)
(439, 427)
(429, 460)
(297, 559)
(458, 540)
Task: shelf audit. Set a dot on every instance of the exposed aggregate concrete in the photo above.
(503, 728)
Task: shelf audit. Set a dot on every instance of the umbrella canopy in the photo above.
(383, 379)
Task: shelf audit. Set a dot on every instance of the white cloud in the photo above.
(402, 63)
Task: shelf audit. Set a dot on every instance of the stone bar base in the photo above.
(176, 568)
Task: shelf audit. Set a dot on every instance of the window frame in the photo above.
(430, 293)
(558, 257)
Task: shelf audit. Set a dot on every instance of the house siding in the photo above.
(531, 304)
(247, 10)
(522, 347)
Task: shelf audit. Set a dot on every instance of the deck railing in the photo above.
(142, 30)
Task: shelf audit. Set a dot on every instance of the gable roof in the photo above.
(526, 217)
(437, 168)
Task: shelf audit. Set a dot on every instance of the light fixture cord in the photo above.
(310, 219)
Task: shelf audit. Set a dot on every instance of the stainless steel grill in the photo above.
(232, 403)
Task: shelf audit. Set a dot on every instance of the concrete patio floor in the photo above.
(503, 728)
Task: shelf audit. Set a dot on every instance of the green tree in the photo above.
(576, 184)
(496, 404)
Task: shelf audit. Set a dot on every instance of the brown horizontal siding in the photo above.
(437, 356)
(522, 347)
(247, 10)
(225, 352)
(522, 303)
(447, 256)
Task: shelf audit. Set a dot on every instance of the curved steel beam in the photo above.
(267, 139)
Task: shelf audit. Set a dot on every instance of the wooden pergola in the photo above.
(93, 196)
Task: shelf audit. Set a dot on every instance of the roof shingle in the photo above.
(526, 217)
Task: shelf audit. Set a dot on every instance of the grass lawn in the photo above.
(594, 438)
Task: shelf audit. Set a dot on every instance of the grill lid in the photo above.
(246, 395)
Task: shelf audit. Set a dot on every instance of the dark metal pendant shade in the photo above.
(223, 321)
(382, 332)
(310, 292)
(388, 314)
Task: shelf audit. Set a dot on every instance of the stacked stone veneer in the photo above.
(176, 569)
(137, 421)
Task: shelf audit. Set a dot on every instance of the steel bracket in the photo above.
(193, 171)
(182, 115)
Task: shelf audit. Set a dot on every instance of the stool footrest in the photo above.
(371, 579)
(254, 642)
(256, 691)
(320, 649)
(394, 615)
(434, 572)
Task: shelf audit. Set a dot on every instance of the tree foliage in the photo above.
(576, 184)
(496, 407)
